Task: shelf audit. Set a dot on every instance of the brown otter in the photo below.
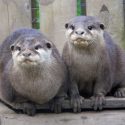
(31, 71)
(96, 64)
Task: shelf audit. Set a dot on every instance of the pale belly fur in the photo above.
(84, 68)
(39, 90)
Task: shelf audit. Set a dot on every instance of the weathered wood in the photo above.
(110, 103)
(4, 20)
(14, 14)
(112, 117)
(54, 15)
(111, 13)
(19, 14)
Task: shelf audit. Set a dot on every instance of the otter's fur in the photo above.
(31, 70)
(96, 64)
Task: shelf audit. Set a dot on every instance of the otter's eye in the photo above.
(38, 47)
(90, 27)
(72, 27)
(48, 45)
(12, 47)
(66, 25)
(102, 26)
(18, 48)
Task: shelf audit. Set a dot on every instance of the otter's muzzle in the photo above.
(80, 42)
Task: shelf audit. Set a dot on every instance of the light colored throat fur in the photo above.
(96, 37)
(32, 72)
(96, 46)
(44, 56)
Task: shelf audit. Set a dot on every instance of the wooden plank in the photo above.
(54, 15)
(46, 20)
(111, 13)
(19, 14)
(4, 22)
(109, 117)
(111, 103)
(14, 14)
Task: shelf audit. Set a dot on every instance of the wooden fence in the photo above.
(55, 13)
(14, 14)
(112, 14)
(53, 16)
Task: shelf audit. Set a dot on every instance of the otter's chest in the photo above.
(38, 89)
(84, 66)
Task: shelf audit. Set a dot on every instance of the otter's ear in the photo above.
(66, 25)
(102, 26)
(12, 47)
(48, 45)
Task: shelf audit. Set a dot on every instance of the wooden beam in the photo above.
(111, 103)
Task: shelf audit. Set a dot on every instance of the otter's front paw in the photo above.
(76, 102)
(98, 101)
(29, 109)
(120, 93)
(56, 105)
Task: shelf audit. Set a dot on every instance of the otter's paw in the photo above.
(76, 103)
(29, 109)
(120, 93)
(56, 105)
(98, 101)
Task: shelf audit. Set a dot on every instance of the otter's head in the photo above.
(83, 31)
(31, 51)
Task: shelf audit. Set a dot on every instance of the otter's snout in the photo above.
(26, 53)
(79, 32)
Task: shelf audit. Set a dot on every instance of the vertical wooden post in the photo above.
(4, 20)
(19, 13)
(54, 15)
(14, 14)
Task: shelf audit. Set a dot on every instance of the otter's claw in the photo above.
(56, 105)
(29, 109)
(76, 103)
(97, 102)
(120, 93)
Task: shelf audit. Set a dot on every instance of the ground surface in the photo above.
(106, 117)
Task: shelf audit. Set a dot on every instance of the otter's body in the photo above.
(31, 68)
(96, 64)
(35, 83)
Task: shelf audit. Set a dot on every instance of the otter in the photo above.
(95, 63)
(31, 71)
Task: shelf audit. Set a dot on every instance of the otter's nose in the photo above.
(26, 54)
(79, 32)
